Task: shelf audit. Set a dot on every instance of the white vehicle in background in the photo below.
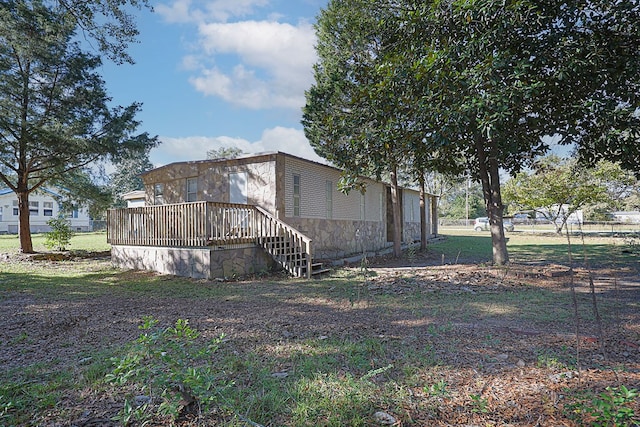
(482, 224)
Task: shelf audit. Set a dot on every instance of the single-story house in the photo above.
(631, 217)
(298, 194)
(44, 204)
(135, 198)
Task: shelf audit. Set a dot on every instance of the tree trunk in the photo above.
(489, 173)
(423, 216)
(395, 205)
(24, 228)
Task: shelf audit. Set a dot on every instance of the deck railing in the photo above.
(288, 246)
(217, 225)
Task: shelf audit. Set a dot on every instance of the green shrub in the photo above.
(612, 408)
(171, 369)
(60, 235)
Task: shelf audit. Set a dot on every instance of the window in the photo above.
(238, 187)
(296, 195)
(329, 200)
(73, 214)
(47, 208)
(158, 194)
(15, 211)
(192, 189)
(33, 208)
(15, 208)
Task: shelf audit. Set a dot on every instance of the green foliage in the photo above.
(556, 189)
(437, 389)
(127, 178)
(224, 153)
(612, 408)
(479, 404)
(474, 85)
(20, 396)
(60, 235)
(60, 125)
(456, 207)
(108, 22)
(81, 189)
(171, 368)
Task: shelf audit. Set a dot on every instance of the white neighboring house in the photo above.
(575, 217)
(631, 217)
(43, 205)
(135, 199)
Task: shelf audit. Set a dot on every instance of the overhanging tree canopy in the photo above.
(484, 81)
(54, 113)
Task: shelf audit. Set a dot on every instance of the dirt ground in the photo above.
(492, 359)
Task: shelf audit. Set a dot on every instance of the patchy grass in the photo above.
(428, 344)
(468, 245)
(88, 242)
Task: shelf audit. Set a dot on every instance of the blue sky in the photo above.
(220, 73)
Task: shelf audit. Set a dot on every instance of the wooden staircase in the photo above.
(291, 256)
(287, 246)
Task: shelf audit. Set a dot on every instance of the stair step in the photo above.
(321, 271)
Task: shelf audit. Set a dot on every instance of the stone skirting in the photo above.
(337, 238)
(198, 263)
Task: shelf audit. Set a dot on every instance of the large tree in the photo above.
(358, 113)
(127, 176)
(108, 24)
(54, 110)
(484, 81)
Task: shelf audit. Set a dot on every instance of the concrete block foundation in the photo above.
(198, 263)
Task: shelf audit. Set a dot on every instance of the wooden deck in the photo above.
(214, 225)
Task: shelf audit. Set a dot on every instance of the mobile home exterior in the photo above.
(213, 206)
(300, 192)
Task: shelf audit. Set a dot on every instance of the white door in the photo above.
(238, 187)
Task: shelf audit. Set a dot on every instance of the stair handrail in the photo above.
(298, 236)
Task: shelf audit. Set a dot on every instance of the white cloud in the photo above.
(275, 66)
(185, 11)
(287, 140)
(255, 64)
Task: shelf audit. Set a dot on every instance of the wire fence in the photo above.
(598, 227)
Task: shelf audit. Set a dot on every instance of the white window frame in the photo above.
(158, 194)
(329, 199)
(192, 193)
(296, 194)
(34, 208)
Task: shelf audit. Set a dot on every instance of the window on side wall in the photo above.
(47, 208)
(329, 199)
(158, 194)
(296, 195)
(192, 189)
(73, 214)
(33, 208)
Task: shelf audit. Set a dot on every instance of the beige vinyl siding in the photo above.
(411, 208)
(313, 190)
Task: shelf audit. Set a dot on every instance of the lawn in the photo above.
(437, 338)
(91, 242)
